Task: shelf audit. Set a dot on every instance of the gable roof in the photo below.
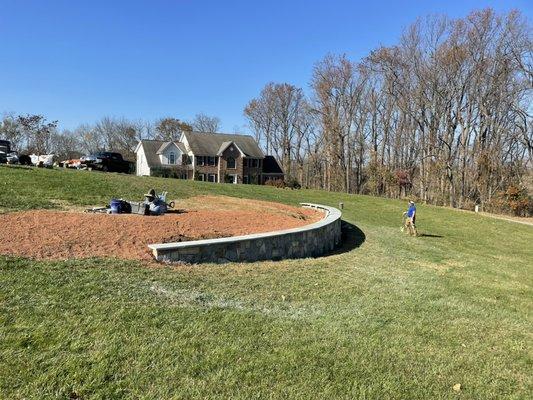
(151, 147)
(225, 145)
(209, 144)
(271, 166)
(179, 145)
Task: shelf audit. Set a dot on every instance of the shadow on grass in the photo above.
(352, 237)
(429, 235)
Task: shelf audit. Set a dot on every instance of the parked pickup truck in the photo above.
(5, 149)
(107, 162)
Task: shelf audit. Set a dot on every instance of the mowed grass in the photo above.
(394, 318)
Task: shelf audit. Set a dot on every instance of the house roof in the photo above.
(209, 144)
(271, 166)
(153, 148)
(166, 144)
(225, 145)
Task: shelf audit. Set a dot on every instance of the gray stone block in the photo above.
(308, 241)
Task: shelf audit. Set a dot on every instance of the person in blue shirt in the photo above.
(410, 219)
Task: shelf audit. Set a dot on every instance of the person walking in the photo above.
(410, 219)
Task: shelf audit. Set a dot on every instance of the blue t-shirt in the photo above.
(411, 211)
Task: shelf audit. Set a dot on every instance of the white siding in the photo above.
(165, 157)
(142, 165)
(185, 142)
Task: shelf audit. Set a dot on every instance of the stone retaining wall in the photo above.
(311, 240)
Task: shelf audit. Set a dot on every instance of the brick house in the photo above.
(211, 157)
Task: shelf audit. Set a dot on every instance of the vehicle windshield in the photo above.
(100, 155)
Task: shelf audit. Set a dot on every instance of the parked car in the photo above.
(13, 158)
(107, 162)
(24, 159)
(5, 149)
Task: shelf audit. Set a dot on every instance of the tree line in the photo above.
(35, 134)
(443, 116)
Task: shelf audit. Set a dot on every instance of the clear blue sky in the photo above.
(77, 61)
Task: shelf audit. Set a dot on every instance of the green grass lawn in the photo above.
(394, 318)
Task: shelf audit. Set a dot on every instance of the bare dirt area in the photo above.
(56, 235)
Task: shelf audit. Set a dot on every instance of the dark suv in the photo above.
(107, 162)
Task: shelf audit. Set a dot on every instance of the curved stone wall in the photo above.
(310, 240)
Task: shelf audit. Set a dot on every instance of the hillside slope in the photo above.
(387, 316)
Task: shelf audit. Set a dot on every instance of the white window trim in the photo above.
(235, 178)
(234, 161)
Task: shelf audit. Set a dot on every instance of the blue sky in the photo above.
(77, 61)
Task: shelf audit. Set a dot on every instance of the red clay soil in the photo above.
(60, 235)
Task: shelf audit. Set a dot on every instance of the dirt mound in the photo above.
(45, 234)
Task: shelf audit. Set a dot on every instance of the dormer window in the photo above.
(172, 158)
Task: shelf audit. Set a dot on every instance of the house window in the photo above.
(230, 163)
(212, 177)
(231, 178)
(245, 179)
(172, 158)
(201, 177)
(211, 161)
(252, 162)
(200, 160)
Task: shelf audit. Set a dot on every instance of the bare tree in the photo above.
(11, 130)
(444, 115)
(37, 132)
(260, 115)
(205, 123)
(170, 128)
(279, 118)
(66, 145)
(337, 92)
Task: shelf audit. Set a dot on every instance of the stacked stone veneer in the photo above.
(310, 240)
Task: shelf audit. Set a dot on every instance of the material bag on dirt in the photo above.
(139, 208)
(120, 207)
